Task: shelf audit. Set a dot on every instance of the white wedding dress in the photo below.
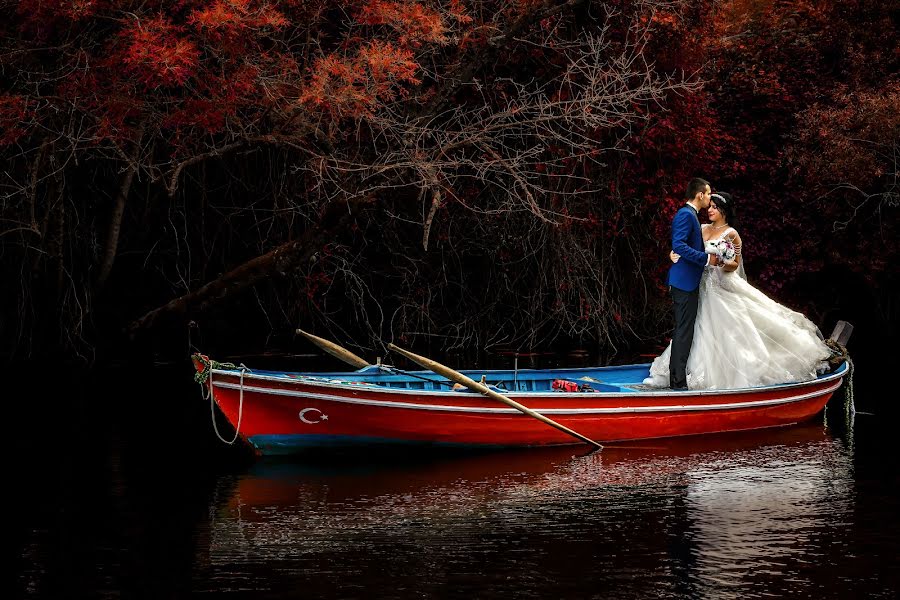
(743, 338)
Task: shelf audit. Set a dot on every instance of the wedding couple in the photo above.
(728, 334)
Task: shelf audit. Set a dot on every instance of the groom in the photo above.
(684, 276)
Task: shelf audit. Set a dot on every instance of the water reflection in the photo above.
(705, 517)
(758, 515)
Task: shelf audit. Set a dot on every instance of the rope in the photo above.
(212, 409)
(839, 355)
(205, 366)
(849, 402)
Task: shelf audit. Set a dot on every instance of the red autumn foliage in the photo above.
(355, 86)
(234, 17)
(413, 22)
(779, 67)
(158, 53)
(14, 119)
(545, 145)
(851, 143)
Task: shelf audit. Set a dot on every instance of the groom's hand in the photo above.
(713, 260)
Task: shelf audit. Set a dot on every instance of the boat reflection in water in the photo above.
(714, 516)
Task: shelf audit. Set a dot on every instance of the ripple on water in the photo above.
(718, 517)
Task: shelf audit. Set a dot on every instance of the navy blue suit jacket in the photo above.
(688, 242)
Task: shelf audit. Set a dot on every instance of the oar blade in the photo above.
(335, 350)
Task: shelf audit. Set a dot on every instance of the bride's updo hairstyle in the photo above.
(725, 203)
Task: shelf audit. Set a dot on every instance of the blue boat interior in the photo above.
(595, 379)
(625, 378)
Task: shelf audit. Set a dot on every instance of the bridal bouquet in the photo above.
(721, 248)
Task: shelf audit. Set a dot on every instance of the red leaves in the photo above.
(458, 12)
(849, 142)
(414, 22)
(13, 111)
(387, 64)
(207, 62)
(205, 115)
(41, 18)
(158, 53)
(217, 65)
(232, 18)
(317, 282)
(352, 87)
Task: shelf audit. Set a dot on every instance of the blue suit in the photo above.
(684, 279)
(688, 242)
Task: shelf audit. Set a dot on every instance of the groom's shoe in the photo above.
(679, 389)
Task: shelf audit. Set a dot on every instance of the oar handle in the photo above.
(483, 389)
(335, 350)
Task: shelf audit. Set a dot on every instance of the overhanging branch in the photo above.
(279, 261)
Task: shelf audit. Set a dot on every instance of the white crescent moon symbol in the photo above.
(302, 415)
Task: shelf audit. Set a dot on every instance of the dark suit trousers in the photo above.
(685, 314)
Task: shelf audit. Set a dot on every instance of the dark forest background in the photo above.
(456, 176)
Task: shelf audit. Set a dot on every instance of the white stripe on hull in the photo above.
(545, 411)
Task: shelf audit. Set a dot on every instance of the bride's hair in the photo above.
(725, 203)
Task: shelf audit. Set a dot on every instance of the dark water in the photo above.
(124, 492)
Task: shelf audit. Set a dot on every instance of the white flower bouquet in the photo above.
(722, 248)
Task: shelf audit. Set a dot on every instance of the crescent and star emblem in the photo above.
(314, 416)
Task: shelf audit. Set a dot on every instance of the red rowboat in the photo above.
(278, 412)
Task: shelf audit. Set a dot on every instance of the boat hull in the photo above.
(286, 415)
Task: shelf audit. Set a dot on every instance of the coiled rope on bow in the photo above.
(205, 367)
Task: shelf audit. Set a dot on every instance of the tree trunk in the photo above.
(115, 222)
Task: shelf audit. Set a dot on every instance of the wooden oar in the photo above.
(355, 361)
(335, 350)
(485, 390)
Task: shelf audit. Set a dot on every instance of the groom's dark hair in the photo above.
(695, 186)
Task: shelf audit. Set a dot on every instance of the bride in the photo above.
(742, 338)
